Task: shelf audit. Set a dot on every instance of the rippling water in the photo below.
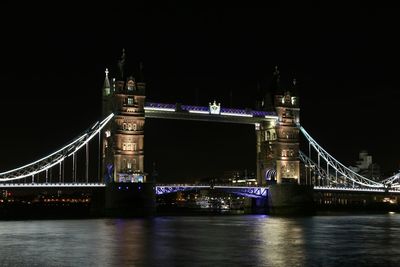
(247, 240)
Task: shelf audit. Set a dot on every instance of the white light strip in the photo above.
(236, 114)
(58, 151)
(271, 117)
(95, 125)
(159, 109)
(58, 159)
(199, 111)
(52, 185)
(348, 189)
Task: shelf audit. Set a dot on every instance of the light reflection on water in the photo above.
(246, 240)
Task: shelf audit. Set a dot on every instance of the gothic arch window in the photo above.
(130, 85)
(134, 146)
(130, 101)
(129, 126)
(134, 127)
(124, 126)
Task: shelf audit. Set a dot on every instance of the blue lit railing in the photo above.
(247, 191)
(206, 110)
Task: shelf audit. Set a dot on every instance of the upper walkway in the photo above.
(213, 113)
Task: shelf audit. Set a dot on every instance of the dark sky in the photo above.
(346, 62)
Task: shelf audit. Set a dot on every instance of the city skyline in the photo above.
(345, 70)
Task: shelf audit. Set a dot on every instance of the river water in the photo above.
(241, 240)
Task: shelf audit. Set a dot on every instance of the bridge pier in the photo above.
(290, 199)
(130, 199)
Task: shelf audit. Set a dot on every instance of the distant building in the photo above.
(367, 168)
(236, 177)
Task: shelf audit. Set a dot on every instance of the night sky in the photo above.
(346, 63)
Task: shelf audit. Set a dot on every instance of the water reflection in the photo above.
(367, 240)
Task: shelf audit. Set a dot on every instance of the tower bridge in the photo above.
(119, 140)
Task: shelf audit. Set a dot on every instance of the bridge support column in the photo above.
(130, 199)
(265, 137)
(287, 199)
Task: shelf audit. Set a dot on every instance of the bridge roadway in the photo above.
(253, 192)
(201, 113)
(172, 188)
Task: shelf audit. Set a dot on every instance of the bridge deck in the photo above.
(200, 113)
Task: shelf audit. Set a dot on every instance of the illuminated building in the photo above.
(287, 144)
(123, 140)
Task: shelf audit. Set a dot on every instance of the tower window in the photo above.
(124, 126)
(129, 166)
(130, 101)
(129, 126)
(268, 136)
(130, 85)
(134, 127)
(134, 146)
(127, 146)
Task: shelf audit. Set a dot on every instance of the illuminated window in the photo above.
(127, 146)
(129, 166)
(130, 85)
(134, 147)
(129, 126)
(130, 101)
(134, 127)
(124, 126)
(268, 137)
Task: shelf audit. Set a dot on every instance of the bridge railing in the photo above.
(331, 162)
(56, 158)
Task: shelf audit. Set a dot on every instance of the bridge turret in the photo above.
(106, 105)
(287, 145)
(126, 162)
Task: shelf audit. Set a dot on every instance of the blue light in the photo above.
(119, 188)
(127, 187)
(139, 187)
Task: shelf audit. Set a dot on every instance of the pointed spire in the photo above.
(121, 65)
(294, 89)
(275, 83)
(141, 72)
(106, 85)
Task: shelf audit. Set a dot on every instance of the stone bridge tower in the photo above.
(287, 144)
(123, 139)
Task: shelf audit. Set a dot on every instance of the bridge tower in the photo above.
(128, 193)
(287, 144)
(123, 139)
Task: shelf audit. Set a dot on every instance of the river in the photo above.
(222, 240)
